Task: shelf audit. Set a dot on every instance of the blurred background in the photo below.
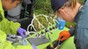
(44, 7)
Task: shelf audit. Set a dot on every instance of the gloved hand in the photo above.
(64, 35)
(34, 47)
(22, 32)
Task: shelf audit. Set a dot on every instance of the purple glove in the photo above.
(22, 32)
(34, 47)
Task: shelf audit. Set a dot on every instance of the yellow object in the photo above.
(8, 27)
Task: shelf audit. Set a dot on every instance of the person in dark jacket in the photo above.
(72, 10)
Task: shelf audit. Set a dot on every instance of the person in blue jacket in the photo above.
(72, 10)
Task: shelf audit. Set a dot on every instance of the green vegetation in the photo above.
(44, 7)
(43, 20)
(50, 20)
(36, 25)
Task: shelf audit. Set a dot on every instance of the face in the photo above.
(7, 5)
(67, 13)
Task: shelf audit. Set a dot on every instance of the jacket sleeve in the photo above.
(9, 27)
(72, 31)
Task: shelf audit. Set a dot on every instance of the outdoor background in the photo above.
(44, 7)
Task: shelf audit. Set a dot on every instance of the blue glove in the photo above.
(22, 32)
(61, 24)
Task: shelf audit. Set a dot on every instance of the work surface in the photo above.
(68, 44)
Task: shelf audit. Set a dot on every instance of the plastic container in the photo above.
(60, 23)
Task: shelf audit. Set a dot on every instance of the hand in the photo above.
(22, 32)
(56, 48)
(64, 35)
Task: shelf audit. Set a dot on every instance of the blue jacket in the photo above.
(80, 31)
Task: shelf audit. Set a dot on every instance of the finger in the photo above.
(56, 48)
(23, 36)
(63, 39)
(34, 47)
(60, 37)
(24, 32)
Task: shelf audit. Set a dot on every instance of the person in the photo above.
(18, 14)
(9, 27)
(72, 10)
(15, 13)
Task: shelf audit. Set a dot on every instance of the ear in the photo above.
(61, 11)
(65, 15)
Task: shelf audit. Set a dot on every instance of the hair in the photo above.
(15, 0)
(73, 3)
